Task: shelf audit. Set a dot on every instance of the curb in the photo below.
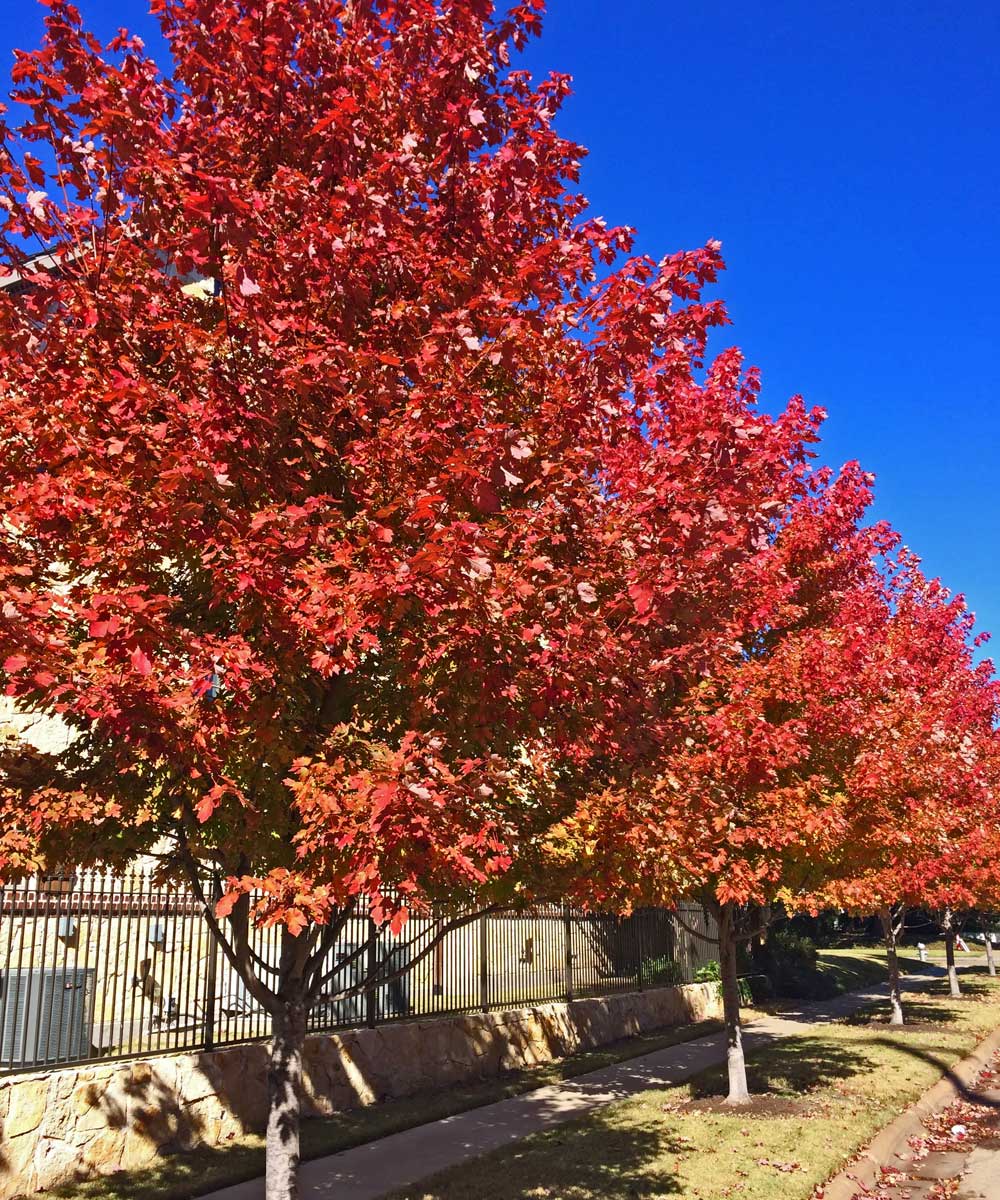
(864, 1171)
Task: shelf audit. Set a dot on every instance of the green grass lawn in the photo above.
(850, 1079)
(835, 972)
(855, 969)
(207, 1169)
(974, 956)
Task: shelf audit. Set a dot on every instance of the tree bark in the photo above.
(739, 1092)
(284, 1100)
(991, 965)
(949, 952)
(892, 961)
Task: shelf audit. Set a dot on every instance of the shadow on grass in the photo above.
(942, 1065)
(789, 1067)
(937, 969)
(976, 986)
(915, 1011)
(852, 971)
(610, 1160)
(604, 1160)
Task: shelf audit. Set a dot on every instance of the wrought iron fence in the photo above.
(98, 966)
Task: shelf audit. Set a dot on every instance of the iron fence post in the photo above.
(641, 944)
(568, 951)
(371, 966)
(484, 965)
(211, 989)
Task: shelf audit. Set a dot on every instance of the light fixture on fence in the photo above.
(158, 934)
(66, 928)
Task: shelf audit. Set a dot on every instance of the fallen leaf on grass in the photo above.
(785, 1167)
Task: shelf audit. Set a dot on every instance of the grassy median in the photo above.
(853, 970)
(831, 1089)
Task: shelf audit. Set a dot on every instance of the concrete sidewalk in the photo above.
(372, 1170)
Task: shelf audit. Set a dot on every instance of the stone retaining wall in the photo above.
(69, 1124)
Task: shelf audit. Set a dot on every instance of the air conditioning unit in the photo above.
(46, 1016)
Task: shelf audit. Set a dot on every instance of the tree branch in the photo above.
(264, 995)
(381, 980)
(762, 924)
(328, 939)
(705, 937)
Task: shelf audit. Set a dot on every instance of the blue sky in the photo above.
(848, 157)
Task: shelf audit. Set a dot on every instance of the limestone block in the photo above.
(156, 1118)
(27, 1107)
(326, 1083)
(102, 1153)
(204, 1123)
(141, 1073)
(359, 1083)
(451, 1054)
(18, 1173)
(194, 1078)
(373, 1057)
(55, 1162)
(84, 1108)
(138, 1151)
(238, 1083)
(109, 1094)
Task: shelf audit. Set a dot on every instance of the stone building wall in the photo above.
(46, 733)
(69, 1124)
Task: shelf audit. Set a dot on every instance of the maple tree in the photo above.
(921, 770)
(755, 630)
(748, 800)
(834, 743)
(307, 513)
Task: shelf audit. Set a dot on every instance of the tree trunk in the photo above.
(739, 1092)
(892, 961)
(284, 1100)
(949, 952)
(991, 965)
